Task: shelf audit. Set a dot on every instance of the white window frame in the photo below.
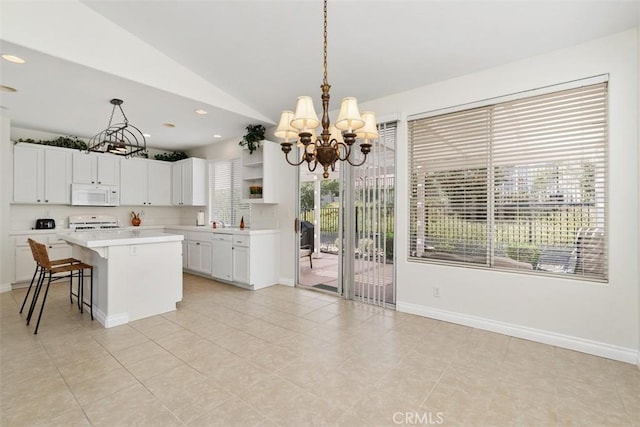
(233, 209)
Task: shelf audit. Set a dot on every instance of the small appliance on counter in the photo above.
(45, 224)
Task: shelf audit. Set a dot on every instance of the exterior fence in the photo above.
(378, 226)
(377, 222)
(521, 238)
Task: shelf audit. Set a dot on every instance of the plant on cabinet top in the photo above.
(255, 134)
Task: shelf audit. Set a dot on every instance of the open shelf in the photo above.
(258, 169)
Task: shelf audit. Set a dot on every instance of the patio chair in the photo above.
(306, 241)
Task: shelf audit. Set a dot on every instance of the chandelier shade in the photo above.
(122, 139)
(305, 117)
(284, 129)
(335, 142)
(369, 130)
(349, 118)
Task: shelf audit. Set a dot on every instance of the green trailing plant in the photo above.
(255, 134)
(63, 141)
(171, 157)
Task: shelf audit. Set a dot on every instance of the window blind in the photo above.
(226, 195)
(518, 185)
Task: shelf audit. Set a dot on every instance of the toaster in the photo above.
(45, 224)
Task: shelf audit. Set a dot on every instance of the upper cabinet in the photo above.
(145, 182)
(259, 173)
(41, 174)
(92, 168)
(189, 182)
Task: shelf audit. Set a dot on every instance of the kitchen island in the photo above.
(137, 273)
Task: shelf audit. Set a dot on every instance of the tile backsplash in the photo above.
(23, 217)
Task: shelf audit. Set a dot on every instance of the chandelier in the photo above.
(334, 143)
(122, 139)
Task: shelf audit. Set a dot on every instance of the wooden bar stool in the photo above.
(38, 269)
(46, 267)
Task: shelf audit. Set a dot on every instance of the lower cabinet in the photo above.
(222, 257)
(248, 259)
(256, 259)
(241, 264)
(199, 252)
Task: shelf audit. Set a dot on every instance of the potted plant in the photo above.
(255, 134)
(255, 191)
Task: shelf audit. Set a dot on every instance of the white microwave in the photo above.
(94, 195)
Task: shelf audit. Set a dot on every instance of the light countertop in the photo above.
(160, 228)
(100, 239)
(220, 230)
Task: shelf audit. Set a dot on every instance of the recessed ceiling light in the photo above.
(201, 111)
(217, 136)
(169, 125)
(8, 88)
(13, 58)
(146, 135)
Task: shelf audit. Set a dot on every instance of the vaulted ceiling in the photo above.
(245, 61)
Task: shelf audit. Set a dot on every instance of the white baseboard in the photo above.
(111, 321)
(5, 287)
(287, 281)
(609, 351)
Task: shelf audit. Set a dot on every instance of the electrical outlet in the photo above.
(436, 291)
(133, 250)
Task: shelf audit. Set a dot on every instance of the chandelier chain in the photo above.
(325, 149)
(325, 44)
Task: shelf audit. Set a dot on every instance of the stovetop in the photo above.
(93, 222)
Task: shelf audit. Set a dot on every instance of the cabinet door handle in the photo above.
(197, 243)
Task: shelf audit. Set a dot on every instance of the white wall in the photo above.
(592, 317)
(638, 172)
(6, 190)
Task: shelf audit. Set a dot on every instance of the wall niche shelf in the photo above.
(259, 170)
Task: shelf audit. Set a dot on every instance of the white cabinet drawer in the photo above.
(218, 237)
(240, 240)
(198, 236)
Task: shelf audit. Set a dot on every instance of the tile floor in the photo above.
(292, 357)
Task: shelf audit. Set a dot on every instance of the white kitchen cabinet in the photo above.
(145, 182)
(159, 183)
(259, 169)
(94, 168)
(222, 266)
(41, 174)
(199, 252)
(241, 267)
(189, 182)
(255, 258)
(24, 263)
